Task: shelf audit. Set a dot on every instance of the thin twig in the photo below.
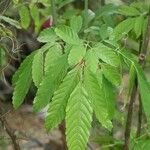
(8, 129)
(129, 116)
(143, 54)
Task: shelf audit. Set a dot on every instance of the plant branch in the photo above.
(143, 53)
(54, 12)
(8, 129)
(129, 116)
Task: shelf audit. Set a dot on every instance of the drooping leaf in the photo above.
(54, 72)
(76, 23)
(144, 87)
(128, 11)
(110, 97)
(106, 54)
(78, 119)
(138, 26)
(76, 54)
(47, 35)
(68, 35)
(22, 81)
(56, 111)
(97, 96)
(11, 21)
(123, 28)
(24, 16)
(91, 61)
(112, 74)
(38, 68)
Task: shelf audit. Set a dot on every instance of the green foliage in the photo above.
(76, 54)
(68, 35)
(11, 21)
(98, 100)
(106, 54)
(56, 112)
(78, 118)
(45, 91)
(47, 35)
(22, 81)
(76, 23)
(24, 16)
(38, 68)
(79, 69)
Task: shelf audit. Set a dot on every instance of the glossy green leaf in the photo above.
(76, 23)
(38, 68)
(128, 11)
(112, 74)
(123, 28)
(68, 35)
(24, 16)
(144, 88)
(91, 61)
(106, 54)
(78, 119)
(97, 96)
(76, 54)
(54, 71)
(47, 35)
(56, 111)
(22, 81)
(138, 25)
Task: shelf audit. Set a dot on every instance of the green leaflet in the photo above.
(106, 54)
(56, 111)
(11, 21)
(78, 119)
(76, 23)
(128, 11)
(35, 14)
(112, 74)
(76, 54)
(91, 61)
(97, 97)
(24, 16)
(22, 80)
(110, 96)
(144, 87)
(54, 71)
(68, 35)
(47, 35)
(123, 28)
(139, 21)
(38, 68)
